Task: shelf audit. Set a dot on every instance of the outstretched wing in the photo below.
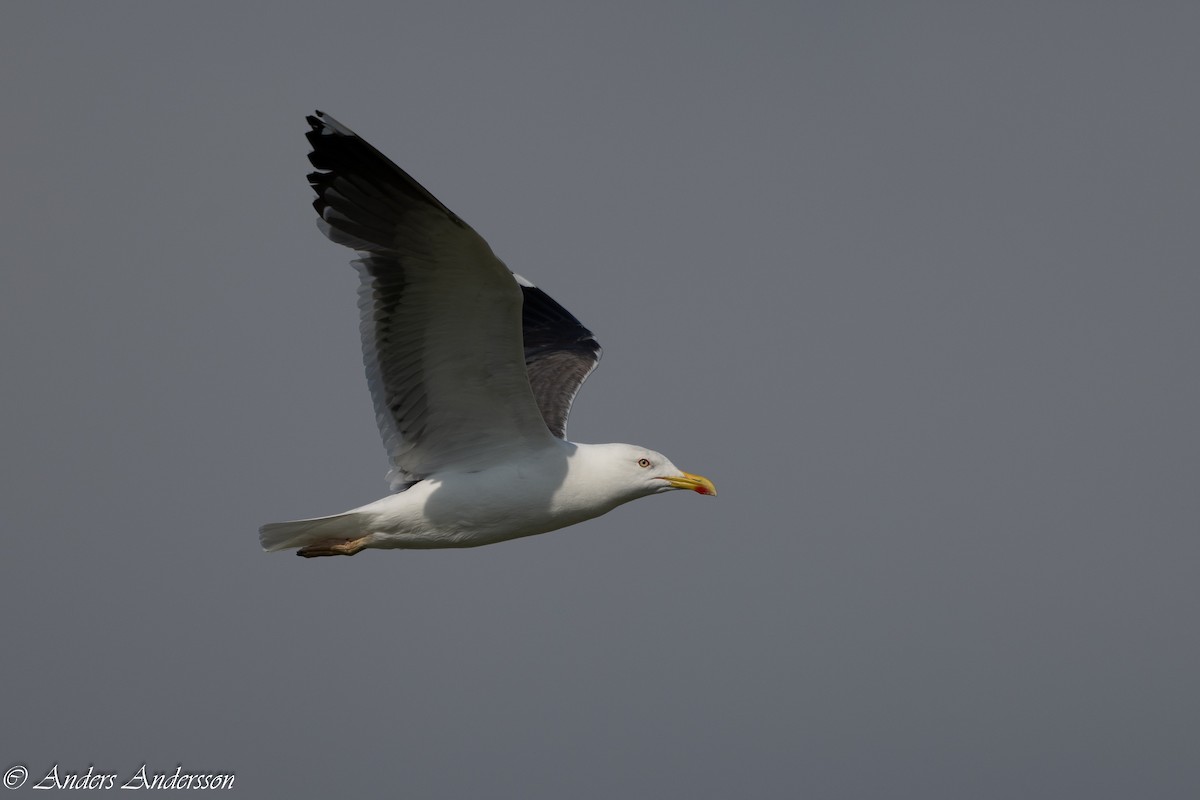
(559, 354)
(440, 314)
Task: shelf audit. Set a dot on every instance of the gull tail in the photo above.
(303, 532)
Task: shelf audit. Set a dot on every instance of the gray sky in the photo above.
(916, 287)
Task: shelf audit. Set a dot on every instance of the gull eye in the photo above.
(643, 462)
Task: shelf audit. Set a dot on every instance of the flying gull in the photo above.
(472, 370)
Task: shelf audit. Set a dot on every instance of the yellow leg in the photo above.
(334, 547)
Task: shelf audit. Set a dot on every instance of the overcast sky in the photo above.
(915, 285)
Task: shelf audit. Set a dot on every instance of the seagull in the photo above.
(472, 370)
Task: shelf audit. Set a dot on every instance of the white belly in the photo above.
(472, 509)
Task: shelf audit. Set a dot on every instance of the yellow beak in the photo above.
(696, 483)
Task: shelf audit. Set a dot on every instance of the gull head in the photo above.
(639, 471)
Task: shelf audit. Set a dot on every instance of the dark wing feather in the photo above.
(560, 353)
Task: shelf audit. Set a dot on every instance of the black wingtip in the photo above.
(338, 152)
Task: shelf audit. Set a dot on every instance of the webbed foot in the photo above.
(333, 547)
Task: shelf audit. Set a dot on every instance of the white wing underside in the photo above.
(440, 316)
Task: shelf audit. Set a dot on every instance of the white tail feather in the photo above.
(302, 532)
